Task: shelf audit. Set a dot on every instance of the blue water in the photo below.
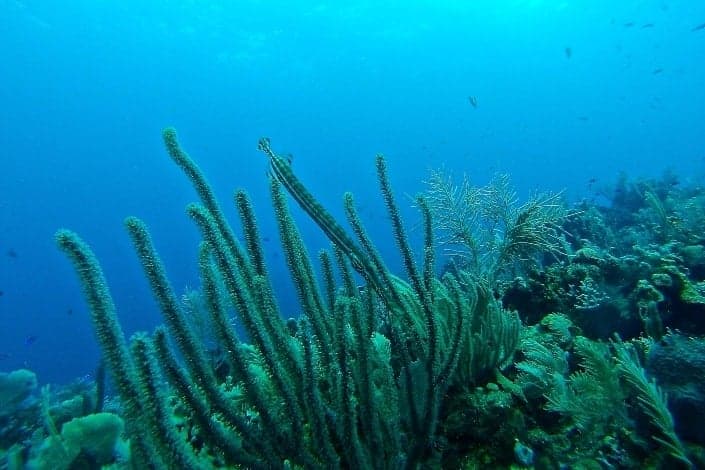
(567, 92)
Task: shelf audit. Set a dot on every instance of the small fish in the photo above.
(647, 25)
(11, 253)
(2, 293)
(583, 118)
(568, 52)
(698, 27)
(30, 340)
(84, 379)
(69, 312)
(473, 101)
(629, 24)
(265, 239)
(657, 71)
(4, 356)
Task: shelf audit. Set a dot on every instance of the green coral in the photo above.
(408, 370)
(95, 439)
(15, 387)
(600, 402)
(592, 396)
(361, 380)
(653, 402)
(488, 229)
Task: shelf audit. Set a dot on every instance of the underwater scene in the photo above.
(366, 235)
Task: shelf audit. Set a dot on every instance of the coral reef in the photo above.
(633, 265)
(677, 362)
(59, 428)
(15, 388)
(359, 380)
(508, 358)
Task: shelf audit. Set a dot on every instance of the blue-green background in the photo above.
(86, 87)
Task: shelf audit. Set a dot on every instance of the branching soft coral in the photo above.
(487, 226)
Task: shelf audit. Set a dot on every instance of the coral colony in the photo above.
(495, 347)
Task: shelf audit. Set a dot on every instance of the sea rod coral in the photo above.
(361, 380)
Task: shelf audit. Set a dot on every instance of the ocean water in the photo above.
(567, 94)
